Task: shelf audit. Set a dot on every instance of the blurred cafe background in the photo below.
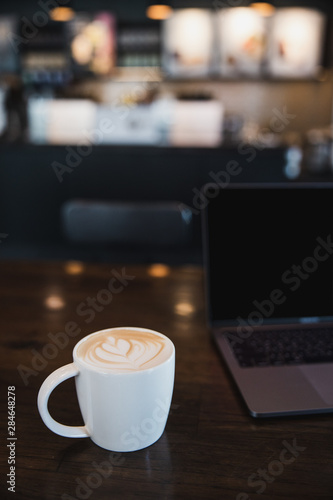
(113, 114)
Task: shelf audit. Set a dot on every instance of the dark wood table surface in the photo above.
(211, 448)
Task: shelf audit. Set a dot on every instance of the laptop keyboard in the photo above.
(284, 347)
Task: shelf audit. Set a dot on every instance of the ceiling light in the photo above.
(62, 14)
(264, 8)
(159, 11)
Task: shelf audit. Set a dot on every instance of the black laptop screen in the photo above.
(269, 253)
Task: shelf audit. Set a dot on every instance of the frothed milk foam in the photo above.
(125, 350)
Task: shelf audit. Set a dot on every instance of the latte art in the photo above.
(123, 350)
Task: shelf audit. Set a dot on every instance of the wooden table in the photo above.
(211, 448)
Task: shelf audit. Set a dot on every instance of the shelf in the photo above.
(156, 75)
(133, 74)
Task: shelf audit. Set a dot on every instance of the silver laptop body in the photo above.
(268, 259)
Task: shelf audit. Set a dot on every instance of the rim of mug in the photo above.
(106, 370)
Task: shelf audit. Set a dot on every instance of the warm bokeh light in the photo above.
(184, 309)
(94, 44)
(188, 38)
(295, 42)
(74, 267)
(264, 8)
(242, 40)
(54, 302)
(242, 28)
(159, 12)
(62, 14)
(158, 270)
(82, 49)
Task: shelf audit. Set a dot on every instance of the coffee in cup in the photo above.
(124, 350)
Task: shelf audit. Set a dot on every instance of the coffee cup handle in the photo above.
(47, 387)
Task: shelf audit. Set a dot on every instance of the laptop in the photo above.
(268, 259)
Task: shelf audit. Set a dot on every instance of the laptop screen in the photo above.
(269, 253)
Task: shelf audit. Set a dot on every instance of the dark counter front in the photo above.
(35, 182)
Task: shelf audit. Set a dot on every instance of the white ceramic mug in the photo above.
(124, 382)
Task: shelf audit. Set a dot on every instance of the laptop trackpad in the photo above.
(321, 379)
